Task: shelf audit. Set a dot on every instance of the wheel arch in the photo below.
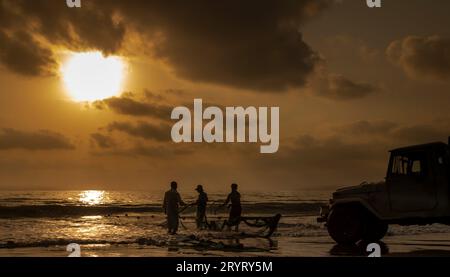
(356, 203)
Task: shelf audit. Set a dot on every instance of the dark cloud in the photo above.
(102, 141)
(148, 151)
(357, 152)
(159, 151)
(338, 87)
(395, 134)
(250, 44)
(422, 57)
(329, 152)
(422, 133)
(75, 29)
(6, 17)
(21, 53)
(126, 105)
(365, 127)
(143, 130)
(245, 44)
(91, 27)
(152, 96)
(311, 161)
(40, 140)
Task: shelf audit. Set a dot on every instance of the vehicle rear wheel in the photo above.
(346, 224)
(375, 229)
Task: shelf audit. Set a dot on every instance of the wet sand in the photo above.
(420, 245)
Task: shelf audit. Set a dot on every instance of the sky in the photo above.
(351, 83)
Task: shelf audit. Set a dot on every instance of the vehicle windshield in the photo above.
(410, 164)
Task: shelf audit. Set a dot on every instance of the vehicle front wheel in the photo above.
(346, 224)
(375, 229)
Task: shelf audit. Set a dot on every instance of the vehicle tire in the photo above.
(374, 229)
(346, 224)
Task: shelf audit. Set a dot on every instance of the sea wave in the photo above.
(56, 242)
(54, 211)
(184, 241)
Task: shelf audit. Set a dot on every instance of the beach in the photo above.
(131, 224)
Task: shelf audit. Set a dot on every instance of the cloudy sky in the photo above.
(351, 83)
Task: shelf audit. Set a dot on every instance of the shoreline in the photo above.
(420, 245)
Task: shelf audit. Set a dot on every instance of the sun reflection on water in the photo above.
(92, 197)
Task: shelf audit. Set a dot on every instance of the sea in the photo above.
(132, 223)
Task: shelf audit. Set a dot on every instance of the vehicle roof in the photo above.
(420, 146)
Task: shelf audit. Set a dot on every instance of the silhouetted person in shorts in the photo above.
(201, 203)
(235, 208)
(172, 202)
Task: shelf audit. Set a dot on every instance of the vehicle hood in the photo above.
(360, 189)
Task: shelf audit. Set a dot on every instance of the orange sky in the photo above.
(351, 83)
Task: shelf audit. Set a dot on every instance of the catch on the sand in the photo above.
(267, 225)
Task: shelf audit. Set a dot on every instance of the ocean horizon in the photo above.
(132, 223)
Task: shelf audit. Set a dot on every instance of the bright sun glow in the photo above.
(92, 197)
(91, 76)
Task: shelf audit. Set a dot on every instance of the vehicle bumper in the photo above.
(323, 216)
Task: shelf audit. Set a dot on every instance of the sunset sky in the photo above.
(351, 83)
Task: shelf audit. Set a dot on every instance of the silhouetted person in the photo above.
(201, 203)
(172, 201)
(235, 208)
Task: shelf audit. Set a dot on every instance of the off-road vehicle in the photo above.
(416, 191)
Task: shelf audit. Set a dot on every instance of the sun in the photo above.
(91, 76)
